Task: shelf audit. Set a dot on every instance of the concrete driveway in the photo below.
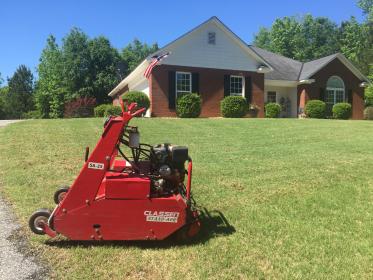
(6, 122)
(16, 260)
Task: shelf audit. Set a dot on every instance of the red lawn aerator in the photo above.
(115, 197)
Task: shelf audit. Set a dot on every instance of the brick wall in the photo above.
(336, 68)
(211, 88)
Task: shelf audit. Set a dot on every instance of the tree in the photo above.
(80, 67)
(318, 37)
(354, 41)
(368, 94)
(284, 36)
(76, 59)
(303, 39)
(51, 81)
(367, 7)
(3, 96)
(1, 79)
(104, 60)
(19, 99)
(134, 53)
(263, 38)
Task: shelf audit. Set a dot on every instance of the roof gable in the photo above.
(312, 67)
(229, 52)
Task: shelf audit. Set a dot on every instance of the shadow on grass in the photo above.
(213, 224)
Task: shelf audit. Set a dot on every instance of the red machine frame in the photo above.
(104, 203)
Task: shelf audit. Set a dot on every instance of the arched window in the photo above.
(335, 92)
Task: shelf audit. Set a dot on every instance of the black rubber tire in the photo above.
(41, 215)
(61, 191)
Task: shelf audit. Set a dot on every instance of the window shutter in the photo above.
(227, 81)
(248, 89)
(171, 89)
(322, 94)
(349, 96)
(195, 83)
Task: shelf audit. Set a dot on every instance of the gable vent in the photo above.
(211, 38)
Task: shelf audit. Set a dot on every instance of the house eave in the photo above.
(135, 77)
(346, 62)
(280, 83)
(261, 61)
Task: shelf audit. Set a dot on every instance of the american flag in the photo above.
(155, 60)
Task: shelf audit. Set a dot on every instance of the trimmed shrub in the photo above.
(315, 109)
(80, 108)
(112, 110)
(188, 105)
(368, 113)
(272, 110)
(35, 114)
(99, 111)
(342, 111)
(233, 107)
(368, 96)
(139, 97)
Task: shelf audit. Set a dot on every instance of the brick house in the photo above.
(214, 62)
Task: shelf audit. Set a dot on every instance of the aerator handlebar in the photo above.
(189, 180)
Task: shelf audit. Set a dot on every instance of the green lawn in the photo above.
(299, 194)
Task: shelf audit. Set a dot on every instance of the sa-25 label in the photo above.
(161, 216)
(95, 165)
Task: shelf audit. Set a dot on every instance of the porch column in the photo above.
(302, 100)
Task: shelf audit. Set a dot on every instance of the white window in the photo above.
(335, 92)
(271, 97)
(183, 83)
(237, 85)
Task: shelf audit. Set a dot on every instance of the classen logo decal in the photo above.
(95, 165)
(161, 216)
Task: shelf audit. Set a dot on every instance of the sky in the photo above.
(25, 25)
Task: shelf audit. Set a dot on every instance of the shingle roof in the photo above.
(310, 68)
(289, 69)
(283, 68)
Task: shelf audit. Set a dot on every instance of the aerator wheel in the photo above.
(60, 194)
(37, 220)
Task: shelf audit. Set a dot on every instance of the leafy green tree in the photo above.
(318, 37)
(367, 7)
(354, 40)
(284, 36)
(76, 59)
(1, 80)
(134, 53)
(263, 39)
(303, 39)
(80, 67)
(104, 60)
(19, 99)
(369, 89)
(51, 80)
(3, 95)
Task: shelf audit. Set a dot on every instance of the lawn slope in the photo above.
(299, 194)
